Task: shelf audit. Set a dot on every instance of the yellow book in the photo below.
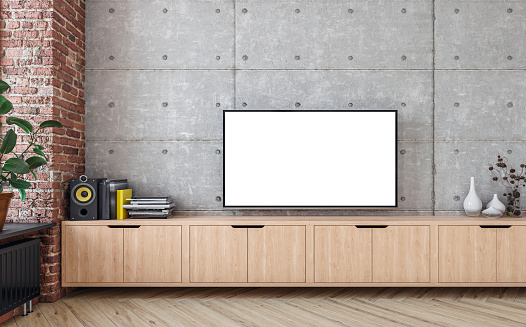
(122, 195)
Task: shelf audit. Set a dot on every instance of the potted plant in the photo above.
(13, 166)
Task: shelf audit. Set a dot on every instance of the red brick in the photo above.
(13, 25)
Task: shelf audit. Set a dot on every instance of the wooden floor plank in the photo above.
(58, 314)
(87, 313)
(33, 319)
(151, 313)
(117, 312)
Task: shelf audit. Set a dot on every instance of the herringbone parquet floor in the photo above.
(322, 307)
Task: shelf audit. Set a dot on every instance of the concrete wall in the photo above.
(159, 74)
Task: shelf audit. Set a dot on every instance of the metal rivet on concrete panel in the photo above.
(404, 58)
(457, 11)
(111, 104)
(297, 57)
(165, 10)
(244, 104)
(218, 58)
(350, 57)
(456, 104)
(165, 104)
(218, 11)
(297, 104)
(456, 151)
(510, 10)
(402, 198)
(111, 10)
(218, 151)
(165, 57)
(510, 57)
(165, 151)
(218, 104)
(403, 11)
(111, 151)
(510, 104)
(456, 57)
(112, 57)
(403, 104)
(509, 152)
(402, 151)
(350, 104)
(297, 11)
(245, 57)
(456, 198)
(244, 10)
(218, 198)
(350, 11)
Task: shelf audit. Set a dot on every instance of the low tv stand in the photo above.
(299, 251)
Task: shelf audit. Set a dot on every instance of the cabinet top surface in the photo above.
(309, 220)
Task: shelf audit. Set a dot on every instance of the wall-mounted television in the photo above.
(309, 158)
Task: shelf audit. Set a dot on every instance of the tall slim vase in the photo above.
(472, 203)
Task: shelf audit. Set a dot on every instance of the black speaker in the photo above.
(83, 204)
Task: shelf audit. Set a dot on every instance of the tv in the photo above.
(310, 158)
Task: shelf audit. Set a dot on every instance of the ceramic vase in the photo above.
(495, 203)
(491, 212)
(472, 203)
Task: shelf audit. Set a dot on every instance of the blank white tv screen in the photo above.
(310, 158)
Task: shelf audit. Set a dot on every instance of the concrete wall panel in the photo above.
(458, 161)
(480, 34)
(410, 92)
(137, 34)
(190, 172)
(157, 105)
(480, 105)
(279, 34)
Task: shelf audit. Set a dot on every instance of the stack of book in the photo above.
(149, 207)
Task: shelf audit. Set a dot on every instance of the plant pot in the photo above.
(5, 200)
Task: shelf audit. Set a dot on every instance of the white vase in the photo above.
(495, 203)
(491, 213)
(472, 203)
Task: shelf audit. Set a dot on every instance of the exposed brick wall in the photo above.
(42, 58)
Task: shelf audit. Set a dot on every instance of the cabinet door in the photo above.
(94, 254)
(401, 254)
(467, 254)
(152, 254)
(511, 254)
(276, 254)
(218, 254)
(342, 254)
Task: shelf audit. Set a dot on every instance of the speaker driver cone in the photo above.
(83, 194)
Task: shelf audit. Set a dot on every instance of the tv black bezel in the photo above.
(315, 207)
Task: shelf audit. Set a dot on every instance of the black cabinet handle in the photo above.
(371, 226)
(248, 226)
(495, 226)
(124, 226)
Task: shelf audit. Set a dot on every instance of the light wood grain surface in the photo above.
(327, 307)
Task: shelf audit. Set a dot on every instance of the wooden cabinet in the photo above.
(152, 254)
(511, 254)
(401, 254)
(93, 255)
(467, 254)
(122, 254)
(342, 254)
(276, 254)
(218, 254)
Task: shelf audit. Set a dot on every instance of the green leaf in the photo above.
(50, 123)
(35, 162)
(19, 183)
(40, 147)
(5, 105)
(22, 194)
(23, 124)
(9, 142)
(17, 166)
(39, 152)
(34, 175)
(3, 86)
